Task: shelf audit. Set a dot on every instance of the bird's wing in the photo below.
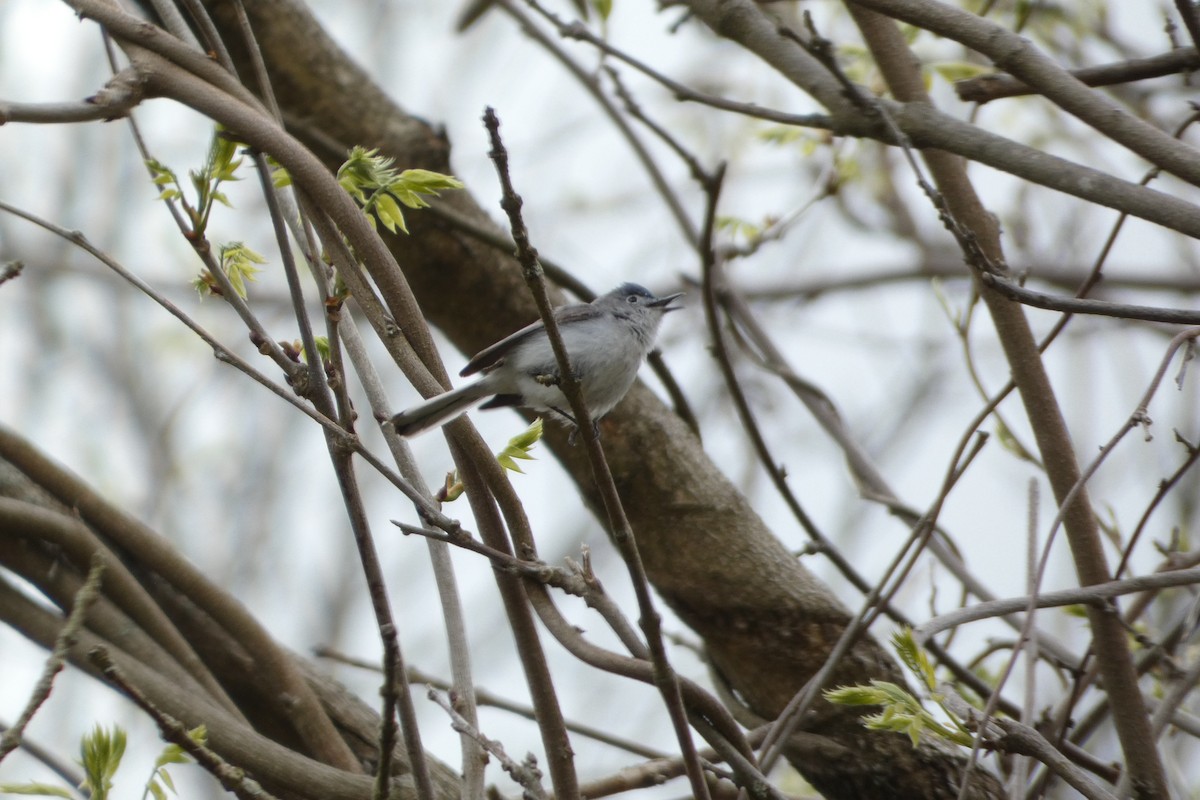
(494, 354)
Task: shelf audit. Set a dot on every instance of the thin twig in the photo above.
(443, 569)
(650, 621)
(1076, 305)
(994, 87)
(1015, 737)
(84, 598)
(1021, 766)
(233, 779)
(1191, 19)
(486, 698)
(526, 774)
(657, 179)
(1164, 487)
(1094, 594)
(69, 773)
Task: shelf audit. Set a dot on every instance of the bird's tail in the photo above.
(441, 409)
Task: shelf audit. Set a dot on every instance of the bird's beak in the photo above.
(663, 302)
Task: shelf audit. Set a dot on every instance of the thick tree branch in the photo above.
(1020, 58)
(296, 699)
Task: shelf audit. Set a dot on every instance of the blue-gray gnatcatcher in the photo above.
(606, 341)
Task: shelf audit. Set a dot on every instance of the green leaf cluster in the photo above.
(220, 166)
(381, 190)
(324, 351)
(902, 711)
(161, 781)
(238, 263)
(518, 447)
(101, 752)
(913, 657)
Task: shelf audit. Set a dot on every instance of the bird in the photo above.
(606, 341)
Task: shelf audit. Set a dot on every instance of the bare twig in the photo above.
(1076, 305)
(486, 488)
(1191, 19)
(233, 779)
(1015, 737)
(84, 598)
(485, 697)
(452, 611)
(526, 774)
(994, 87)
(69, 773)
(651, 623)
(592, 86)
(1164, 487)
(1089, 595)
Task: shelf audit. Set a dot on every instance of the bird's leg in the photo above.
(564, 415)
(553, 379)
(575, 430)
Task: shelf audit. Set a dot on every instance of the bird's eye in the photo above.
(633, 298)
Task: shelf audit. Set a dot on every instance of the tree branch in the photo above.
(986, 88)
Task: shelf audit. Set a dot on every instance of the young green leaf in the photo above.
(426, 181)
(381, 191)
(519, 447)
(389, 213)
(452, 488)
(856, 696)
(161, 782)
(101, 752)
(36, 789)
(323, 351)
(238, 263)
(916, 659)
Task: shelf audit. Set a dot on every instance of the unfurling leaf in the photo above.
(519, 447)
(101, 753)
(36, 789)
(381, 191)
(238, 263)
